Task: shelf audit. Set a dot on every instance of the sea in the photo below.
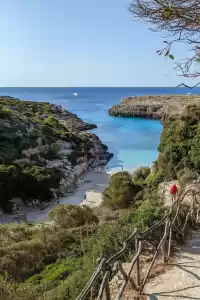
(133, 141)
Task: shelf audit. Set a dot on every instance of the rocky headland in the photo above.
(158, 107)
(43, 150)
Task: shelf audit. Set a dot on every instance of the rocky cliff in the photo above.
(41, 146)
(159, 107)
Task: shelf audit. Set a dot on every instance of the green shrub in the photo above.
(27, 182)
(5, 113)
(69, 216)
(154, 179)
(17, 291)
(186, 176)
(191, 111)
(50, 152)
(148, 213)
(51, 121)
(140, 175)
(179, 145)
(121, 191)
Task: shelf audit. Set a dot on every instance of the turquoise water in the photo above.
(133, 141)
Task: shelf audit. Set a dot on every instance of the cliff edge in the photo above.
(43, 148)
(158, 107)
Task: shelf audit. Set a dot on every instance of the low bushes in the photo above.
(179, 145)
(139, 176)
(121, 191)
(50, 152)
(5, 113)
(27, 182)
(186, 176)
(72, 256)
(69, 216)
(52, 121)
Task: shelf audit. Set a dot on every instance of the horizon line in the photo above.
(2, 87)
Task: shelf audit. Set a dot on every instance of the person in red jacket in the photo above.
(173, 192)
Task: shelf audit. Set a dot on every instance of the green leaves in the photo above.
(121, 191)
(171, 56)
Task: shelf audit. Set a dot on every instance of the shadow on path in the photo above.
(169, 293)
(173, 293)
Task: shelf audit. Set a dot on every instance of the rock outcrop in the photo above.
(43, 149)
(153, 107)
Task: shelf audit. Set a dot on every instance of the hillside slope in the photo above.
(43, 148)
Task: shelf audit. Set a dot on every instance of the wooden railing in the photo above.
(98, 286)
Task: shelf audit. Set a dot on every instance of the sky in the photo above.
(80, 43)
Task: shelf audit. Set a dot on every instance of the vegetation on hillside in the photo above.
(179, 150)
(121, 191)
(27, 182)
(29, 137)
(69, 216)
(56, 261)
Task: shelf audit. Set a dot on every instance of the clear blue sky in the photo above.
(79, 43)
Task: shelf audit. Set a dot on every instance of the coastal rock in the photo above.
(43, 150)
(159, 107)
(70, 120)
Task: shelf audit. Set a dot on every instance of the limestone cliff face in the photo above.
(153, 107)
(41, 148)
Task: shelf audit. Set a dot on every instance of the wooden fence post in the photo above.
(91, 293)
(197, 216)
(163, 250)
(104, 272)
(170, 239)
(155, 255)
(107, 291)
(137, 262)
(104, 288)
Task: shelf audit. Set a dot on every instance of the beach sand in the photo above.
(94, 188)
(90, 183)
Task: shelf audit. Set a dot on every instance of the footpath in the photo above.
(182, 280)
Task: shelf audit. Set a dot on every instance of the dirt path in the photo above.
(182, 281)
(164, 191)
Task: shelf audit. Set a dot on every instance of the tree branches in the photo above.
(181, 20)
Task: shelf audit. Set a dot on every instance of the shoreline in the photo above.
(90, 183)
(95, 183)
(56, 148)
(154, 107)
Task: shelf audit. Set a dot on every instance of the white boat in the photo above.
(75, 94)
(188, 93)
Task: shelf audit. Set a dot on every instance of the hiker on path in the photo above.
(174, 192)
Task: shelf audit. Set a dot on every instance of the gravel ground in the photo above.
(182, 280)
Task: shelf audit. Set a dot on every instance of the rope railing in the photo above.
(107, 269)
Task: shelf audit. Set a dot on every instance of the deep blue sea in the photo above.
(133, 141)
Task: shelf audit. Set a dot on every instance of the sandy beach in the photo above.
(91, 183)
